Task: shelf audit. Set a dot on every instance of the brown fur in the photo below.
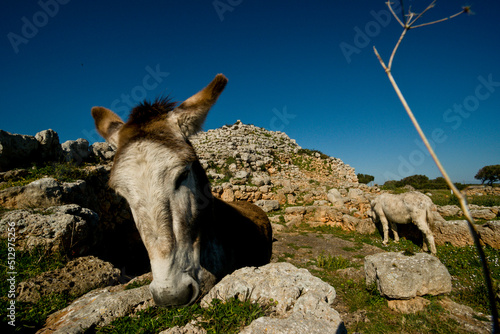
(229, 235)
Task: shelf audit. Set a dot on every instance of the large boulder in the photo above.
(41, 193)
(76, 278)
(489, 233)
(76, 151)
(455, 232)
(68, 228)
(97, 308)
(16, 150)
(49, 148)
(301, 302)
(398, 276)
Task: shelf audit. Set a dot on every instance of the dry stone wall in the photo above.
(246, 162)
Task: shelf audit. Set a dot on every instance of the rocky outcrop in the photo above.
(76, 151)
(246, 162)
(398, 276)
(301, 301)
(75, 278)
(68, 229)
(21, 150)
(16, 150)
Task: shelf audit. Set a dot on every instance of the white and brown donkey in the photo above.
(193, 239)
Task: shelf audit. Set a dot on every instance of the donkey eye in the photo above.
(181, 178)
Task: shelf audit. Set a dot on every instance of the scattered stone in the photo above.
(398, 276)
(408, 306)
(467, 317)
(483, 213)
(268, 205)
(450, 211)
(335, 197)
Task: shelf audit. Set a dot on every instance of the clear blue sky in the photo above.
(306, 68)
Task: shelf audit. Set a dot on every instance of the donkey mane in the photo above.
(147, 111)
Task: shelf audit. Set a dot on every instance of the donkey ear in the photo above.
(108, 124)
(192, 113)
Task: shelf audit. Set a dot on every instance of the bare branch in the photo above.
(396, 47)
(388, 3)
(441, 20)
(380, 59)
(403, 11)
(420, 15)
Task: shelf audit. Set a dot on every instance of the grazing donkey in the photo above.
(193, 239)
(404, 209)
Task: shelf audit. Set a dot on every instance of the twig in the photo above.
(388, 3)
(461, 197)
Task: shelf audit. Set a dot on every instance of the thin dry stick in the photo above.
(460, 196)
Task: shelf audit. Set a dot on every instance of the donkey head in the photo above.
(158, 173)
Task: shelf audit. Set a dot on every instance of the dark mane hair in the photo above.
(146, 111)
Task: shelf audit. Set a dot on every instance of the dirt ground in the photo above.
(300, 248)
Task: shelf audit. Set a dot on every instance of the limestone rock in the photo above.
(449, 210)
(455, 232)
(16, 150)
(38, 194)
(335, 197)
(188, 329)
(96, 308)
(489, 233)
(268, 205)
(302, 301)
(103, 151)
(68, 228)
(467, 317)
(50, 148)
(77, 277)
(76, 151)
(483, 213)
(408, 306)
(404, 277)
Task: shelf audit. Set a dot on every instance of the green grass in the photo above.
(28, 264)
(64, 172)
(462, 263)
(219, 317)
(330, 262)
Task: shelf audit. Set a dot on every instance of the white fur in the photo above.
(145, 175)
(404, 209)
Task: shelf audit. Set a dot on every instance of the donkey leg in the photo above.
(430, 240)
(428, 237)
(385, 228)
(394, 229)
